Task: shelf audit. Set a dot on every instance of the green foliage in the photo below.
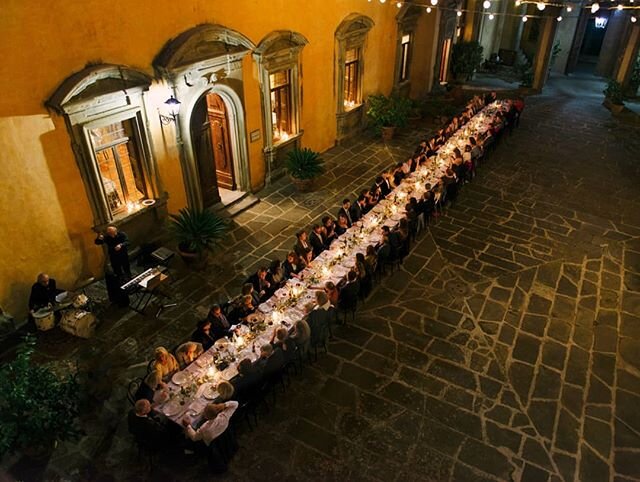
(634, 82)
(390, 111)
(555, 51)
(197, 230)
(466, 58)
(439, 108)
(304, 164)
(37, 407)
(525, 72)
(613, 92)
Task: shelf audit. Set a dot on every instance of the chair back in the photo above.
(132, 389)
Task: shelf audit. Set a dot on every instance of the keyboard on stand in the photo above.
(143, 287)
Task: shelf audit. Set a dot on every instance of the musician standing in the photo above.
(118, 248)
(43, 293)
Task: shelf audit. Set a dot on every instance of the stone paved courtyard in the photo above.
(507, 347)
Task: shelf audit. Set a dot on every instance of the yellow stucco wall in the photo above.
(44, 212)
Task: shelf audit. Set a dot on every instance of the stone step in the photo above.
(239, 205)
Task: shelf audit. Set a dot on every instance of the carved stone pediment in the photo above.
(200, 44)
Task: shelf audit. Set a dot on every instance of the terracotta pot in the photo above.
(387, 133)
(614, 108)
(194, 260)
(302, 185)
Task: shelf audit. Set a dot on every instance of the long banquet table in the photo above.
(192, 388)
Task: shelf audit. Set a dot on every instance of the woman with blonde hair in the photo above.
(225, 391)
(165, 363)
(188, 352)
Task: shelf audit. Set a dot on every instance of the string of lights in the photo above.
(540, 5)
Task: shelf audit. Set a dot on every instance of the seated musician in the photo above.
(43, 293)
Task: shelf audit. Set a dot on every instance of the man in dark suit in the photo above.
(271, 361)
(220, 325)
(316, 239)
(43, 292)
(118, 248)
(302, 244)
(348, 299)
(248, 378)
(357, 209)
(320, 318)
(261, 285)
(344, 210)
(383, 184)
(149, 429)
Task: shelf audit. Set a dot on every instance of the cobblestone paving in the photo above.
(507, 347)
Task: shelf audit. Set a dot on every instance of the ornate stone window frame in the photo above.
(407, 20)
(350, 34)
(97, 96)
(207, 59)
(280, 50)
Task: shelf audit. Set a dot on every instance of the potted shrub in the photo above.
(303, 166)
(197, 231)
(388, 113)
(38, 408)
(614, 97)
(466, 57)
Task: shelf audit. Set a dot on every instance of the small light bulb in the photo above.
(491, 17)
(569, 9)
(382, 1)
(541, 6)
(486, 4)
(559, 18)
(524, 19)
(518, 3)
(620, 7)
(428, 9)
(434, 2)
(595, 7)
(634, 19)
(399, 4)
(459, 13)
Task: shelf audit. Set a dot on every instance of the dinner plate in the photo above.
(148, 202)
(180, 377)
(210, 392)
(204, 360)
(172, 408)
(265, 308)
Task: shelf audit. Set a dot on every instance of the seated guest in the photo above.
(225, 391)
(271, 361)
(357, 209)
(152, 388)
(301, 335)
(165, 363)
(261, 284)
(371, 259)
(220, 324)
(320, 318)
(302, 244)
(398, 174)
(476, 152)
(292, 266)
(329, 230)
(149, 429)
(384, 251)
(316, 239)
(202, 334)
(275, 276)
(342, 225)
(372, 198)
(243, 308)
(349, 293)
(306, 259)
(280, 339)
(187, 353)
(43, 293)
(360, 267)
(248, 378)
(332, 292)
(217, 416)
(248, 290)
(383, 184)
(450, 185)
(345, 211)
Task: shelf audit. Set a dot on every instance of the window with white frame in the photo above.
(405, 49)
(351, 78)
(281, 108)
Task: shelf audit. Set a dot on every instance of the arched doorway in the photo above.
(213, 148)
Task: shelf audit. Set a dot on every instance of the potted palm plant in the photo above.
(614, 97)
(197, 231)
(38, 408)
(303, 166)
(388, 113)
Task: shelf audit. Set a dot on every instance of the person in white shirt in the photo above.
(218, 416)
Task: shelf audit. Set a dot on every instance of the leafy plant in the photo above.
(390, 111)
(525, 72)
(466, 58)
(555, 51)
(613, 92)
(197, 230)
(304, 164)
(37, 407)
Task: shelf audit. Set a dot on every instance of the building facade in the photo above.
(122, 114)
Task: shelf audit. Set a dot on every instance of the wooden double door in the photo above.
(212, 147)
